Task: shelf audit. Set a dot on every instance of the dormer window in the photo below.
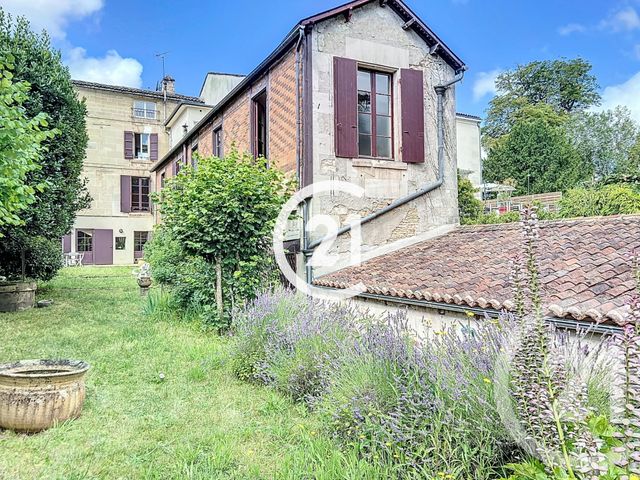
(144, 109)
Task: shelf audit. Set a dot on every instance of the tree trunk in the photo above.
(219, 287)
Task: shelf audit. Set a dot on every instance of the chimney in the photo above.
(168, 85)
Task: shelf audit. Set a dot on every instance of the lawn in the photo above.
(199, 422)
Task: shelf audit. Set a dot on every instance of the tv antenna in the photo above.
(162, 56)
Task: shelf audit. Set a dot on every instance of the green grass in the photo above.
(197, 423)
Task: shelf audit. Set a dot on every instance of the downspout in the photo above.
(440, 92)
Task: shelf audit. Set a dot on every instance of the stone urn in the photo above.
(15, 296)
(36, 394)
(144, 282)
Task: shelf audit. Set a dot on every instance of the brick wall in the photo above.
(236, 124)
(282, 114)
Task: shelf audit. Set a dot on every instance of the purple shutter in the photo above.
(412, 110)
(128, 145)
(66, 243)
(345, 99)
(154, 147)
(102, 247)
(125, 193)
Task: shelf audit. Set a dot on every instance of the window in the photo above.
(144, 109)
(162, 179)
(139, 194)
(194, 158)
(142, 145)
(120, 243)
(260, 147)
(217, 142)
(84, 241)
(374, 114)
(139, 239)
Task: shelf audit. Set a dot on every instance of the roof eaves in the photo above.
(134, 91)
(185, 103)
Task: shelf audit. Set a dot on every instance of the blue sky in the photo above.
(115, 41)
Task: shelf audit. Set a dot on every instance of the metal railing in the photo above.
(145, 113)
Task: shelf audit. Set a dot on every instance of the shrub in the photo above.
(43, 257)
(469, 206)
(606, 200)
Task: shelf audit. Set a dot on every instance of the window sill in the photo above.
(140, 214)
(389, 164)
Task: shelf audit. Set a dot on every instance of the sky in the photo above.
(117, 41)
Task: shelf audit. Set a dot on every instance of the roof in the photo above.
(585, 268)
(398, 6)
(470, 117)
(135, 91)
(185, 103)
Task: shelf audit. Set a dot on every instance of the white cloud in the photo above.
(485, 84)
(572, 28)
(624, 20)
(111, 69)
(626, 94)
(52, 15)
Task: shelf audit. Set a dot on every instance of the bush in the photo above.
(43, 257)
(469, 206)
(607, 200)
(379, 392)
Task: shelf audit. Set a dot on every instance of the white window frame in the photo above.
(141, 154)
(142, 109)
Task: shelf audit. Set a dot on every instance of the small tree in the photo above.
(21, 140)
(224, 211)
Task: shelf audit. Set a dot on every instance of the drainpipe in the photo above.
(440, 92)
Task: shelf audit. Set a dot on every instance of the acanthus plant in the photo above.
(550, 396)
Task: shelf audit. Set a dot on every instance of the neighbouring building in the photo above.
(363, 93)
(468, 147)
(126, 136)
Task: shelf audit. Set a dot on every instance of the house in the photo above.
(586, 273)
(363, 93)
(468, 147)
(126, 136)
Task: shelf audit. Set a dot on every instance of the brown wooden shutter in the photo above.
(154, 147)
(345, 99)
(125, 193)
(128, 145)
(412, 105)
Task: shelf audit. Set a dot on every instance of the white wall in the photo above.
(217, 85)
(188, 115)
(468, 148)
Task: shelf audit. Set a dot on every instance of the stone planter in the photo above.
(15, 296)
(35, 394)
(144, 282)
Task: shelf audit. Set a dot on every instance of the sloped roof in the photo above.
(585, 268)
(136, 91)
(401, 8)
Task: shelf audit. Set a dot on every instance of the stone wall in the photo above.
(375, 38)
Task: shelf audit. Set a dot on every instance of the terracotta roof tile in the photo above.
(585, 267)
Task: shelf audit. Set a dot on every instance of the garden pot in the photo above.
(35, 394)
(144, 282)
(16, 296)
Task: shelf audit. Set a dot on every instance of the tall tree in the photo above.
(537, 154)
(565, 85)
(54, 210)
(21, 140)
(604, 139)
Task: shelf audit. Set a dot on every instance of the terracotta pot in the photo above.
(35, 394)
(16, 296)
(144, 282)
